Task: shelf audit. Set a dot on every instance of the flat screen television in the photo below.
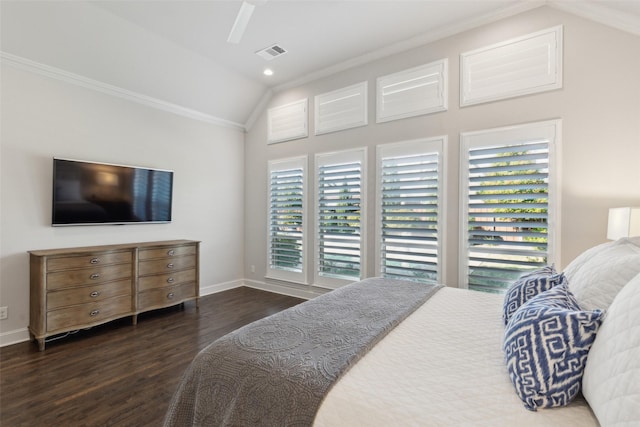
(90, 193)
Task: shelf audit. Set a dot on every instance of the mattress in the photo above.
(442, 366)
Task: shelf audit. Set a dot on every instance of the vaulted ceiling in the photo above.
(176, 51)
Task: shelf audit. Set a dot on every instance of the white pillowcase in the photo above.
(582, 259)
(611, 381)
(596, 276)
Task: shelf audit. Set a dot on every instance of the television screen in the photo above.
(101, 193)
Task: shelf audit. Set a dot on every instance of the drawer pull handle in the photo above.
(94, 294)
(94, 313)
(171, 252)
(94, 260)
(170, 265)
(170, 280)
(94, 276)
(170, 295)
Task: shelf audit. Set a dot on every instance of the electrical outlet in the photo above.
(253, 268)
(4, 313)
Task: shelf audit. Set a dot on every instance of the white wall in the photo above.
(42, 118)
(599, 106)
(87, 39)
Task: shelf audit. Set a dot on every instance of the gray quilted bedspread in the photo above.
(276, 371)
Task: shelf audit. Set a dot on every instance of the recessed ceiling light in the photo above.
(268, 72)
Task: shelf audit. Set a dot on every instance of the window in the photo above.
(527, 64)
(287, 224)
(413, 92)
(508, 203)
(287, 122)
(408, 244)
(341, 109)
(340, 210)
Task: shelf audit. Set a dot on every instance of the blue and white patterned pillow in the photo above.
(546, 345)
(527, 286)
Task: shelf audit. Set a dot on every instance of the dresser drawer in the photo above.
(84, 315)
(166, 252)
(160, 266)
(164, 297)
(86, 276)
(162, 280)
(87, 294)
(97, 259)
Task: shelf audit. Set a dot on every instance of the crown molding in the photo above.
(78, 80)
(598, 12)
(403, 46)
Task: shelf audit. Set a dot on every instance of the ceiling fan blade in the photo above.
(246, 10)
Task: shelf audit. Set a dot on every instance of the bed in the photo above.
(440, 362)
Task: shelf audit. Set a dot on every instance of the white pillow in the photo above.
(596, 276)
(611, 381)
(582, 259)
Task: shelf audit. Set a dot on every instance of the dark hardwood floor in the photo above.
(118, 374)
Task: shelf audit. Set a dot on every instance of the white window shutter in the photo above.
(409, 210)
(287, 219)
(288, 122)
(341, 109)
(340, 180)
(520, 66)
(412, 92)
(508, 203)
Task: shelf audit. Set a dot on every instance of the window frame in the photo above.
(280, 273)
(331, 158)
(296, 115)
(550, 130)
(407, 87)
(434, 145)
(348, 103)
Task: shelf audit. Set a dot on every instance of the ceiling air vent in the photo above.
(271, 52)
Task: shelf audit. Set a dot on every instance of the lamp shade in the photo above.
(623, 222)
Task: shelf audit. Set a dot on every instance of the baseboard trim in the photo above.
(219, 287)
(14, 337)
(308, 293)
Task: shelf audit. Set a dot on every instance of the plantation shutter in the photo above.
(288, 122)
(286, 220)
(416, 91)
(409, 192)
(339, 219)
(508, 209)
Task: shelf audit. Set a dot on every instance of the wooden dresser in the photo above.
(76, 288)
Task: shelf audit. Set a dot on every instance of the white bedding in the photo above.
(442, 366)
